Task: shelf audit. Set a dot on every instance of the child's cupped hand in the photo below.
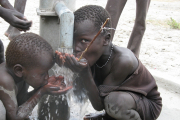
(56, 86)
(71, 62)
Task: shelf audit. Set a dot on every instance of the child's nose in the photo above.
(77, 49)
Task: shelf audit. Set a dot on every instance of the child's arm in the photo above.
(8, 97)
(15, 18)
(84, 71)
(6, 4)
(92, 90)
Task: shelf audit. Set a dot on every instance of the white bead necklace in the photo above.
(107, 60)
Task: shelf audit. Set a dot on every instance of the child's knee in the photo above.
(113, 105)
(118, 104)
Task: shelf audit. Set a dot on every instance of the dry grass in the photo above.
(173, 24)
(158, 22)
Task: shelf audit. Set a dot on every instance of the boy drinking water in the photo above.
(28, 59)
(115, 79)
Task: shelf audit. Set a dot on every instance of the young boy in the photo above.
(114, 78)
(28, 59)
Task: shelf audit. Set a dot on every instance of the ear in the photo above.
(18, 70)
(107, 39)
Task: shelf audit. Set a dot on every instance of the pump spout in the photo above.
(66, 25)
(57, 22)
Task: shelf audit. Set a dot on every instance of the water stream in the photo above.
(77, 102)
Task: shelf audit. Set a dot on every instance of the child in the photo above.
(114, 78)
(28, 59)
(115, 8)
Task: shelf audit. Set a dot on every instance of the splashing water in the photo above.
(77, 104)
(68, 75)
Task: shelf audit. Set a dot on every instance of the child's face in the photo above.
(84, 33)
(38, 76)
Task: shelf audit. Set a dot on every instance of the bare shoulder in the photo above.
(123, 64)
(6, 80)
(124, 60)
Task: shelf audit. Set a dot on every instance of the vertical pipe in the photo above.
(66, 26)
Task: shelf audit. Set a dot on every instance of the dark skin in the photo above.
(37, 77)
(115, 8)
(120, 66)
(1, 52)
(16, 20)
(14, 16)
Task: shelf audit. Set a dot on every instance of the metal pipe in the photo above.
(66, 26)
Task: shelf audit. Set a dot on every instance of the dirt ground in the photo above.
(160, 49)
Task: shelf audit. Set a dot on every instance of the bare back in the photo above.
(8, 90)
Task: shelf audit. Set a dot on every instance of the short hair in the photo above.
(94, 13)
(25, 48)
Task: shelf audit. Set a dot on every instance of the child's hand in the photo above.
(60, 58)
(55, 90)
(56, 86)
(71, 62)
(58, 81)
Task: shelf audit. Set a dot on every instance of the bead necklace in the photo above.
(107, 60)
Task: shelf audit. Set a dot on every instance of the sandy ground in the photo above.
(160, 51)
